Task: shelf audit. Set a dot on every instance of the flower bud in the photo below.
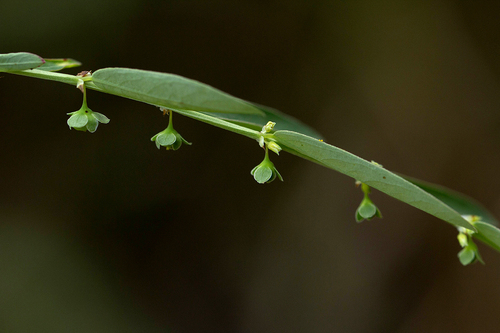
(268, 127)
(274, 147)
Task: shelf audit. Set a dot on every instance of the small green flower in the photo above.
(85, 119)
(169, 138)
(265, 172)
(470, 253)
(367, 209)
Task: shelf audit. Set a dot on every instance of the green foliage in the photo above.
(463, 204)
(173, 93)
(487, 233)
(169, 91)
(19, 61)
(368, 173)
(255, 122)
(52, 65)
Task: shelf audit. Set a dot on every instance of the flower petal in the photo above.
(78, 120)
(184, 140)
(166, 139)
(277, 173)
(466, 256)
(92, 123)
(101, 118)
(359, 218)
(367, 210)
(262, 174)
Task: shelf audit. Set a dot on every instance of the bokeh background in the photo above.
(104, 233)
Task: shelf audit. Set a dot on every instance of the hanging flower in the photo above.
(85, 119)
(470, 253)
(367, 209)
(169, 137)
(265, 172)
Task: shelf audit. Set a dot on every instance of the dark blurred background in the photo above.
(104, 233)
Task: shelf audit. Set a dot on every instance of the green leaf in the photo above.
(52, 65)
(488, 234)
(169, 91)
(463, 204)
(368, 173)
(19, 61)
(256, 122)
